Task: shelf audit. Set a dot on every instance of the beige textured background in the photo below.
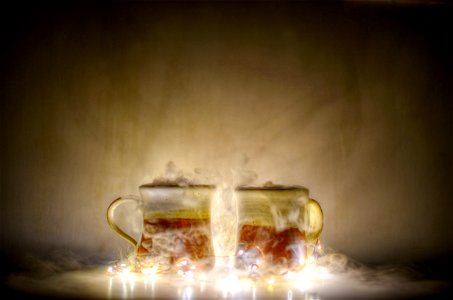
(352, 104)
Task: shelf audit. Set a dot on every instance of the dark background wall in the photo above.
(350, 100)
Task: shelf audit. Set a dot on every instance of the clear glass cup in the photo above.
(176, 227)
(278, 228)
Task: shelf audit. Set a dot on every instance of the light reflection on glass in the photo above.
(312, 296)
(124, 288)
(289, 295)
(187, 293)
(109, 288)
(131, 285)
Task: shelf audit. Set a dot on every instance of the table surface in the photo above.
(97, 283)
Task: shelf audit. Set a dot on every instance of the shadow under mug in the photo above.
(176, 226)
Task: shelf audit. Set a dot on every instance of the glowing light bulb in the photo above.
(254, 267)
(302, 260)
(271, 281)
(149, 271)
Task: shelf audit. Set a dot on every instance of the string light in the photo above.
(300, 277)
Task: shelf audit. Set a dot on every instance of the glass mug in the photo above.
(278, 228)
(176, 227)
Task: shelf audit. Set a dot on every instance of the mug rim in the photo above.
(246, 188)
(176, 186)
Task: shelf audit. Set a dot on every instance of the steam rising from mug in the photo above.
(224, 214)
(176, 227)
(279, 223)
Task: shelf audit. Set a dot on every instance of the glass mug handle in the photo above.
(110, 216)
(313, 219)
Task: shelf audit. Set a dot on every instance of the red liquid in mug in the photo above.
(285, 247)
(177, 238)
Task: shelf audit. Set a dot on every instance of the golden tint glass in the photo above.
(176, 226)
(279, 227)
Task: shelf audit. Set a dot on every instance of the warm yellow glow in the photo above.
(271, 281)
(150, 271)
(226, 279)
